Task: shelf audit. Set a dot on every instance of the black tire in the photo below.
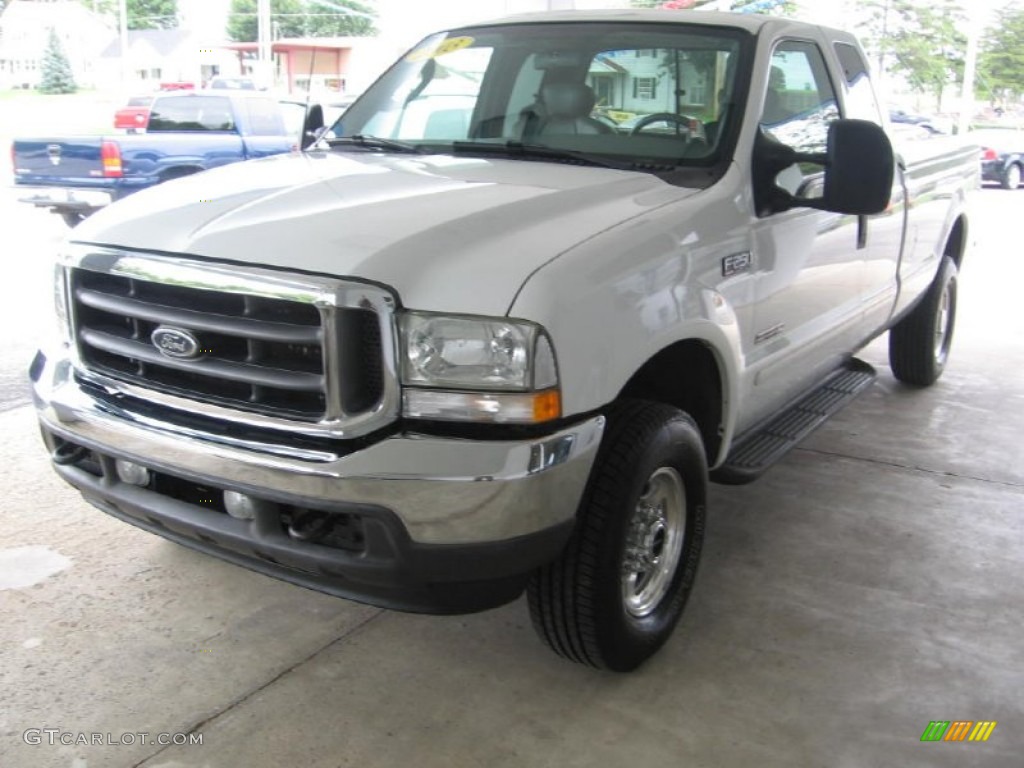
(1011, 177)
(617, 591)
(73, 219)
(919, 344)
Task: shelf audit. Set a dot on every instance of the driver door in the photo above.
(808, 301)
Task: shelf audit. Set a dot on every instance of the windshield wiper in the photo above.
(374, 142)
(538, 151)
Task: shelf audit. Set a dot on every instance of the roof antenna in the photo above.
(313, 124)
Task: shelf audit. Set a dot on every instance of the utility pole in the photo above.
(974, 24)
(263, 49)
(123, 13)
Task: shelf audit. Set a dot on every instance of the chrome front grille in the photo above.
(253, 345)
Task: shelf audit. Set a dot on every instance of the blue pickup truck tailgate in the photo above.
(47, 161)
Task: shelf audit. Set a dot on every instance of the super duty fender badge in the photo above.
(737, 263)
(176, 343)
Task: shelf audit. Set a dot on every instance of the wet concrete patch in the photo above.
(22, 567)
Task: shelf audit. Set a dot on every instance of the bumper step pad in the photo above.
(767, 444)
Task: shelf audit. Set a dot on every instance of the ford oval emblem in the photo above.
(176, 343)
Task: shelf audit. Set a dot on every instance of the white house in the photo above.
(25, 29)
(157, 56)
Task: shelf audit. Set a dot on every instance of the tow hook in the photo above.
(68, 453)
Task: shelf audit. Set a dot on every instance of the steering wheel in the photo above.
(662, 117)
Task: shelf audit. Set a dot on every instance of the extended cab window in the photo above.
(860, 96)
(191, 113)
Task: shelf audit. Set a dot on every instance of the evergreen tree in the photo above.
(300, 18)
(57, 76)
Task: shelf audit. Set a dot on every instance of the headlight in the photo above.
(498, 370)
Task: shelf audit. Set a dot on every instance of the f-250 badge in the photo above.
(736, 263)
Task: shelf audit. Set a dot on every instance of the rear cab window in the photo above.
(191, 113)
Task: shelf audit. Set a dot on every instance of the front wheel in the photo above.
(919, 343)
(616, 593)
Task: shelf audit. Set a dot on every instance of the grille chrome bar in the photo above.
(201, 321)
(285, 351)
(241, 372)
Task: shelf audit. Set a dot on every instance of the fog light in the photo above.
(245, 507)
(132, 473)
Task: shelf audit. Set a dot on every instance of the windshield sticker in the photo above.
(446, 46)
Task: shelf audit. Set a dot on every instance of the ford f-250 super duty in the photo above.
(499, 326)
(186, 133)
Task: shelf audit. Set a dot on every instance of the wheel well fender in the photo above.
(178, 171)
(687, 375)
(956, 242)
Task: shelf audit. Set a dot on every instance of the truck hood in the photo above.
(447, 234)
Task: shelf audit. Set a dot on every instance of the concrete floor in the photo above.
(869, 584)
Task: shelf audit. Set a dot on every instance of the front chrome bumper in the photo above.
(444, 491)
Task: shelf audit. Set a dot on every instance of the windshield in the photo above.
(641, 94)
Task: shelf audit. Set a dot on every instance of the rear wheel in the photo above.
(1011, 177)
(615, 595)
(919, 344)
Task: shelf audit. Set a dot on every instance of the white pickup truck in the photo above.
(499, 327)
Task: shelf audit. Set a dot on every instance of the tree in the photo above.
(153, 14)
(922, 40)
(57, 76)
(142, 14)
(301, 18)
(1001, 64)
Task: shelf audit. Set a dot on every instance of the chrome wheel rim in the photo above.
(654, 542)
(942, 324)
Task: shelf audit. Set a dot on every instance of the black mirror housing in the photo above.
(859, 165)
(859, 169)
